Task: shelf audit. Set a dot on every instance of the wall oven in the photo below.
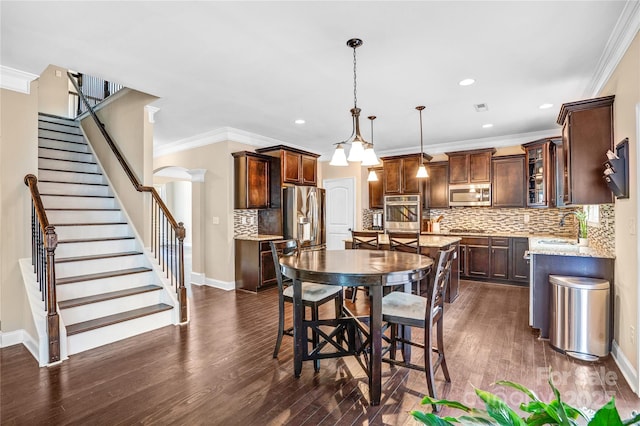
(402, 212)
(470, 195)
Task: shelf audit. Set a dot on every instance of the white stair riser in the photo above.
(104, 285)
(55, 119)
(66, 176)
(96, 266)
(92, 231)
(65, 155)
(45, 163)
(94, 338)
(51, 134)
(59, 202)
(94, 247)
(84, 216)
(109, 307)
(69, 146)
(73, 189)
(60, 127)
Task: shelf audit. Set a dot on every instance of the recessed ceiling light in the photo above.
(487, 126)
(299, 121)
(466, 82)
(545, 106)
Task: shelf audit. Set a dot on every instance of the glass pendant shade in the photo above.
(373, 176)
(369, 157)
(356, 152)
(422, 172)
(339, 158)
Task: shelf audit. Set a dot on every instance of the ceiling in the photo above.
(249, 69)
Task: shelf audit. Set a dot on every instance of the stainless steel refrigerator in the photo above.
(303, 215)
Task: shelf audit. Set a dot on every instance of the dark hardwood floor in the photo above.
(219, 370)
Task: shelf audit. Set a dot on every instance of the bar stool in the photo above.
(408, 242)
(367, 240)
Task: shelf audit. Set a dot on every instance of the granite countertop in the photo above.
(258, 237)
(563, 246)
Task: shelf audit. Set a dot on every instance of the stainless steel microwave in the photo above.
(470, 195)
(402, 213)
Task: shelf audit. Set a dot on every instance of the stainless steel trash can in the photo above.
(580, 315)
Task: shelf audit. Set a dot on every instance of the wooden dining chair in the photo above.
(363, 240)
(408, 242)
(313, 295)
(403, 309)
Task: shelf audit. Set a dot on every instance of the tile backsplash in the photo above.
(245, 222)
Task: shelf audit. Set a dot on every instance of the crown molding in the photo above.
(16, 80)
(222, 134)
(197, 175)
(619, 41)
(151, 112)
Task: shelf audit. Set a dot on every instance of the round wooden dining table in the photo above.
(373, 269)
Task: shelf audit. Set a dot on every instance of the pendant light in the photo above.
(370, 158)
(422, 170)
(356, 140)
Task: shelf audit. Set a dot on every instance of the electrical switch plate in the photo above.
(632, 226)
(216, 220)
(58, 73)
(527, 218)
(244, 220)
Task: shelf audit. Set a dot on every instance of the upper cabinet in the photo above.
(399, 175)
(540, 173)
(296, 167)
(438, 184)
(587, 134)
(507, 188)
(470, 166)
(376, 190)
(251, 180)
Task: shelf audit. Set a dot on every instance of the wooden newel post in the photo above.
(182, 290)
(53, 322)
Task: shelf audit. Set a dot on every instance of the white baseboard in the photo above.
(629, 373)
(11, 338)
(200, 279)
(18, 337)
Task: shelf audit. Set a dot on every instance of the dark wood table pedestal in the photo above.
(350, 268)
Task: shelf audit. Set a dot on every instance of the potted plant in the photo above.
(498, 412)
(583, 238)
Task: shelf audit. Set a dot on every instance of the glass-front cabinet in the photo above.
(539, 173)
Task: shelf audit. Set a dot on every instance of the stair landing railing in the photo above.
(44, 241)
(167, 235)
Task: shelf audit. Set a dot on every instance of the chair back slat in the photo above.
(283, 248)
(364, 240)
(405, 241)
(441, 278)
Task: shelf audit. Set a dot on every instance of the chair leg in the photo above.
(280, 327)
(393, 332)
(314, 337)
(440, 337)
(339, 302)
(428, 364)
(354, 292)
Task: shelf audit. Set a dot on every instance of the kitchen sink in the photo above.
(557, 242)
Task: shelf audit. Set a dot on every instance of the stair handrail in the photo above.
(44, 242)
(178, 230)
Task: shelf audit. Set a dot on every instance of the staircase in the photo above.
(107, 288)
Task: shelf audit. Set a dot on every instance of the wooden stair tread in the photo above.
(79, 209)
(46, 114)
(97, 256)
(116, 318)
(72, 303)
(59, 140)
(73, 183)
(88, 223)
(68, 171)
(78, 196)
(90, 240)
(64, 150)
(101, 275)
(64, 159)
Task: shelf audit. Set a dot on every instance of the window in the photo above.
(593, 214)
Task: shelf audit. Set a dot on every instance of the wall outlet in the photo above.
(216, 220)
(58, 73)
(527, 218)
(633, 334)
(244, 220)
(251, 220)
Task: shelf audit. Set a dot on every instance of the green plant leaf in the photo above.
(538, 419)
(533, 407)
(499, 410)
(453, 404)
(519, 387)
(607, 415)
(430, 419)
(560, 410)
(480, 419)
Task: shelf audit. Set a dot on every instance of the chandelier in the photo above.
(422, 170)
(361, 150)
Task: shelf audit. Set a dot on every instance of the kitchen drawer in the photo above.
(499, 242)
(475, 241)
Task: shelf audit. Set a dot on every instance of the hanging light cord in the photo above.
(355, 91)
(421, 150)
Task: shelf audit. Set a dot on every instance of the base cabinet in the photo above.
(494, 258)
(254, 268)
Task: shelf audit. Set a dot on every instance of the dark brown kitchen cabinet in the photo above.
(470, 166)
(474, 257)
(251, 180)
(399, 174)
(587, 134)
(254, 267)
(499, 258)
(540, 173)
(295, 167)
(508, 188)
(438, 185)
(376, 190)
(519, 265)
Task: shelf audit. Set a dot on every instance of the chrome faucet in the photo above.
(565, 215)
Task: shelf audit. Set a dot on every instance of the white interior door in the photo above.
(340, 210)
